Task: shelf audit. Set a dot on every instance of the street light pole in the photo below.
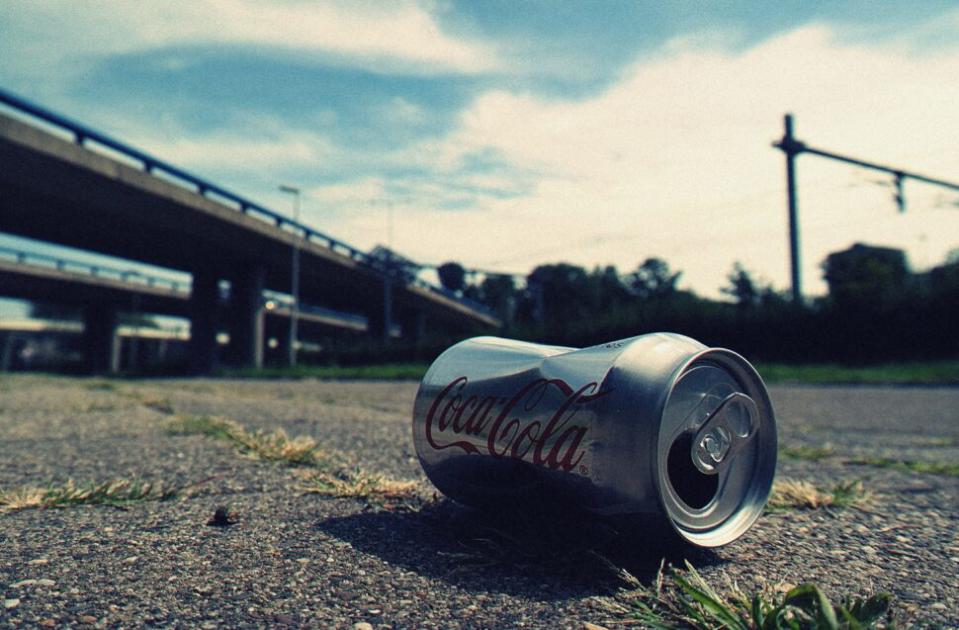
(294, 273)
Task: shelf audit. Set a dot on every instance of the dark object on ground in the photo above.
(222, 517)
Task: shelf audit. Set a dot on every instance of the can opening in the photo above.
(693, 487)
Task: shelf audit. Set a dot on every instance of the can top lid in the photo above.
(717, 448)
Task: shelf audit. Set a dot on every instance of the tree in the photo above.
(653, 279)
(942, 281)
(499, 293)
(557, 293)
(608, 288)
(865, 276)
(452, 276)
(741, 287)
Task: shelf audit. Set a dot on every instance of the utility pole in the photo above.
(792, 147)
(388, 299)
(294, 272)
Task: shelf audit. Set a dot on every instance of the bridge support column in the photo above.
(204, 307)
(279, 330)
(101, 344)
(246, 317)
(6, 350)
(380, 316)
(414, 326)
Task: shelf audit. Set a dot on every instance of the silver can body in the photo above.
(656, 426)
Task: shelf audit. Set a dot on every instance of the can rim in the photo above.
(753, 499)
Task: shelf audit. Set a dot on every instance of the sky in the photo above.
(504, 135)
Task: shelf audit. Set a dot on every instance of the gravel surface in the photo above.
(309, 560)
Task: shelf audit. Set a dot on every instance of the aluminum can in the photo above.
(656, 426)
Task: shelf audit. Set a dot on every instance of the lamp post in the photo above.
(294, 272)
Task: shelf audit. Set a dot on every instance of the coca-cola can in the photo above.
(657, 427)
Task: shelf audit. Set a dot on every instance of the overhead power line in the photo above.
(792, 148)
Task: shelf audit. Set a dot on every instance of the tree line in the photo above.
(876, 308)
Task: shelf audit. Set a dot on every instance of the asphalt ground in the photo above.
(309, 560)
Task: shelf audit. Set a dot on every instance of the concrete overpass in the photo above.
(76, 187)
(101, 292)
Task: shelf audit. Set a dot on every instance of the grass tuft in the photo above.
(683, 599)
(947, 469)
(95, 407)
(794, 494)
(358, 484)
(275, 446)
(160, 405)
(215, 427)
(100, 386)
(808, 452)
(325, 473)
(116, 493)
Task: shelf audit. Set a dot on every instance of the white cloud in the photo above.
(675, 161)
(402, 112)
(350, 194)
(394, 35)
(225, 152)
(258, 144)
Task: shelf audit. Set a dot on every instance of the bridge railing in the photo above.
(83, 134)
(95, 270)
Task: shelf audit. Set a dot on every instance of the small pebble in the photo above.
(23, 583)
(11, 603)
(362, 625)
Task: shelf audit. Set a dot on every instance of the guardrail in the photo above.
(98, 271)
(83, 134)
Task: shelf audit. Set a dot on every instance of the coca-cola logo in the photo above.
(503, 426)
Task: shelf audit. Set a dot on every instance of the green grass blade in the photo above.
(872, 609)
(809, 598)
(716, 608)
(851, 622)
(757, 609)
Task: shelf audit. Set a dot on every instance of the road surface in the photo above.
(300, 559)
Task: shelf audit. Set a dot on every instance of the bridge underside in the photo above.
(56, 191)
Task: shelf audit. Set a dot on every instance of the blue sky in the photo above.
(509, 134)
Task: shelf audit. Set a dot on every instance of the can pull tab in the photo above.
(727, 429)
